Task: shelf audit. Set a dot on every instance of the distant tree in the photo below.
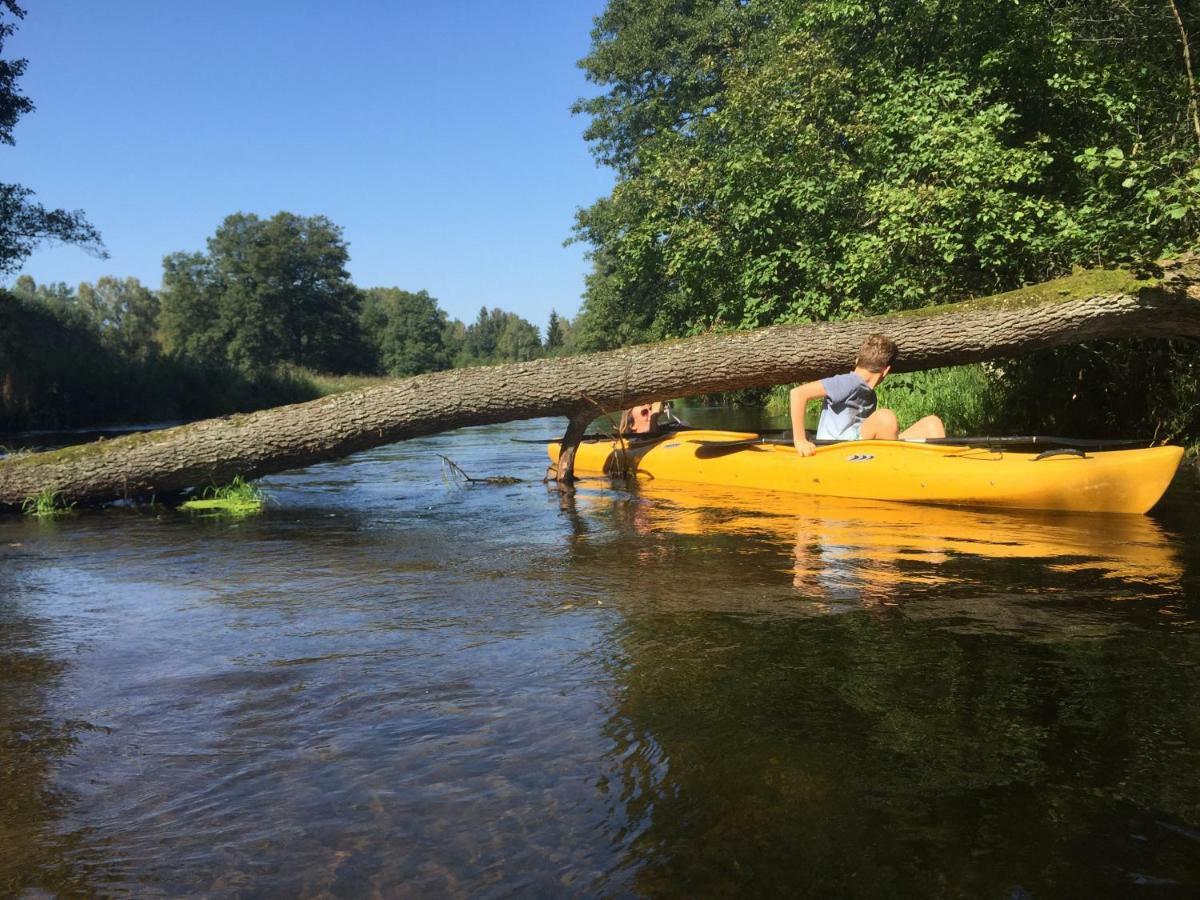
(57, 297)
(479, 342)
(267, 291)
(519, 340)
(554, 333)
(499, 336)
(126, 314)
(454, 338)
(25, 224)
(406, 330)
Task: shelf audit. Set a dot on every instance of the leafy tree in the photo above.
(57, 297)
(125, 313)
(25, 224)
(454, 339)
(809, 159)
(798, 160)
(519, 340)
(267, 291)
(479, 340)
(406, 329)
(498, 336)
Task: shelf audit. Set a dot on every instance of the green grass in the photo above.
(238, 498)
(46, 505)
(323, 384)
(963, 396)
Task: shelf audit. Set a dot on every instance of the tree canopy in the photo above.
(793, 160)
(24, 224)
(407, 331)
(267, 291)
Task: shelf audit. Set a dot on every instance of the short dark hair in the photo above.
(877, 352)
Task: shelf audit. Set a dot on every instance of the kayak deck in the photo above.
(1114, 481)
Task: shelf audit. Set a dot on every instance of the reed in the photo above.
(46, 504)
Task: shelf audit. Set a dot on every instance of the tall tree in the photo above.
(126, 314)
(406, 329)
(267, 291)
(25, 224)
(554, 333)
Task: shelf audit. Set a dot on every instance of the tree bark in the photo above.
(576, 426)
(1161, 302)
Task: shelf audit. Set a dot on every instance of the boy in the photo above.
(850, 411)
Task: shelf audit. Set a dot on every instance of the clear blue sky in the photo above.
(438, 135)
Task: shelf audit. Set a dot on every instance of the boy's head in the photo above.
(876, 354)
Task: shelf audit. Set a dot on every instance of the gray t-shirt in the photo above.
(848, 400)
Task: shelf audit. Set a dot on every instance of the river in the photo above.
(394, 684)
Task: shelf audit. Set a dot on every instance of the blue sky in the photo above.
(438, 135)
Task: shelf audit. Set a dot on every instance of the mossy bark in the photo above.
(1161, 302)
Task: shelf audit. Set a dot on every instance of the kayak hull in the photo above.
(1115, 481)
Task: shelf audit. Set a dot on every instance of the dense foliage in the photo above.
(406, 330)
(64, 362)
(789, 160)
(251, 323)
(25, 224)
(798, 160)
(268, 291)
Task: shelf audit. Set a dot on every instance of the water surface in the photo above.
(393, 684)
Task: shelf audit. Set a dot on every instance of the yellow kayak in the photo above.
(1111, 481)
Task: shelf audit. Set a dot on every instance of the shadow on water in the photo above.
(393, 683)
(34, 743)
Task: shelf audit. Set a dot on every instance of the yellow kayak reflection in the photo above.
(893, 543)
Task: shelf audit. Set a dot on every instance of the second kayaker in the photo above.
(850, 410)
(642, 419)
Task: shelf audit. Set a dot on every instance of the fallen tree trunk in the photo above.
(1163, 302)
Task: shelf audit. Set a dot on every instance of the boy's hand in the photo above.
(805, 447)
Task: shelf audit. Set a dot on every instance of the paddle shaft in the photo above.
(1027, 440)
(603, 436)
(1032, 440)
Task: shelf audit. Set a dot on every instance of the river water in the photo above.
(394, 684)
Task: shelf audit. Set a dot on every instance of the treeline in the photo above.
(258, 319)
(801, 160)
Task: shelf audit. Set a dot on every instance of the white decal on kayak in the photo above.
(860, 457)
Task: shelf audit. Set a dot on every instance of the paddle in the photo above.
(665, 432)
(592, 438)
(1031, 440)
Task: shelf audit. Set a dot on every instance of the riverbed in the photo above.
(393, 683)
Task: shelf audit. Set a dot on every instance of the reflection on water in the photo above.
(393, 684)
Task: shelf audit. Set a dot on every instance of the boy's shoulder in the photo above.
(850, 378)
(846, 384)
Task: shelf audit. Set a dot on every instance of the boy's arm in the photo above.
(799, 399)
